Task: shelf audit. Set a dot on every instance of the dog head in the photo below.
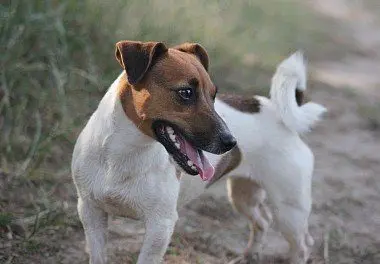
(169, 95)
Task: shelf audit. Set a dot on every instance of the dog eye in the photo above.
(186, 94)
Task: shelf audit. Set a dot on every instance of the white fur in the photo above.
(274, 156)
(291, 75)
(119, 170)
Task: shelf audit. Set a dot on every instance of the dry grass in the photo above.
(59, 57)
(57, 62)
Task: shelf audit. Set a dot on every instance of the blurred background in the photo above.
(57, 61)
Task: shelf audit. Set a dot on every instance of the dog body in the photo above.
(271, 160)
(136, 151)
(161, 104)
(122, 175)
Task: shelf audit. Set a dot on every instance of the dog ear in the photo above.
(197, 50)
(136, 57)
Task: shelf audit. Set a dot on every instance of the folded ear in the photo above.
(137, 57)
(197, 50)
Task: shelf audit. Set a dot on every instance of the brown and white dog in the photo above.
(154, 121)
(156, 117)
(271, 160)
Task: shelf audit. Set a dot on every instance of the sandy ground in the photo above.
(359, 26)
(345, 220)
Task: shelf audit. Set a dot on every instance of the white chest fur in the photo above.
(120, 168)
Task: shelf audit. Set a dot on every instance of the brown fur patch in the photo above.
(299, 97)
(242, 103)
(155, 97)
(226, 164)
(243, 190)
(197, 50)
(136, 57)
(126, 96)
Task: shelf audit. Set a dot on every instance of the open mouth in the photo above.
(190, 158)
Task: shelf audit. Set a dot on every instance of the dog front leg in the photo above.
(94, 221)
(157, 237)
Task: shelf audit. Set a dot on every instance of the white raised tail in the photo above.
(290, 77)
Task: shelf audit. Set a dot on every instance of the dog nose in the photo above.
(228, 141)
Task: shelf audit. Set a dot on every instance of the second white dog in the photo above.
(271, 159)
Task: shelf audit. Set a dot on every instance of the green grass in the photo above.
(58, 60)
(5, 219)
(47, 58)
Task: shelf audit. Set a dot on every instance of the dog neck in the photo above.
(128, 148)
(121, 114)
(129, 100)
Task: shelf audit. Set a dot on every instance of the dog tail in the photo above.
(287, 91)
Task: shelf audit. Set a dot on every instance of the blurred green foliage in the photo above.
(57, 60)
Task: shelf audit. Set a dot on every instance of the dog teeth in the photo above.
(193, 167)
(170, 130)
(190, 163)
(177, 145)
(172, 137)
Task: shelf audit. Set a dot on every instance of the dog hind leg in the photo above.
(263, 219)
(293, 224)
(247, 197)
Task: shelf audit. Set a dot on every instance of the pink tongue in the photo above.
(205, 169)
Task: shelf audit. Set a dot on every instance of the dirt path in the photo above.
(359, 25)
